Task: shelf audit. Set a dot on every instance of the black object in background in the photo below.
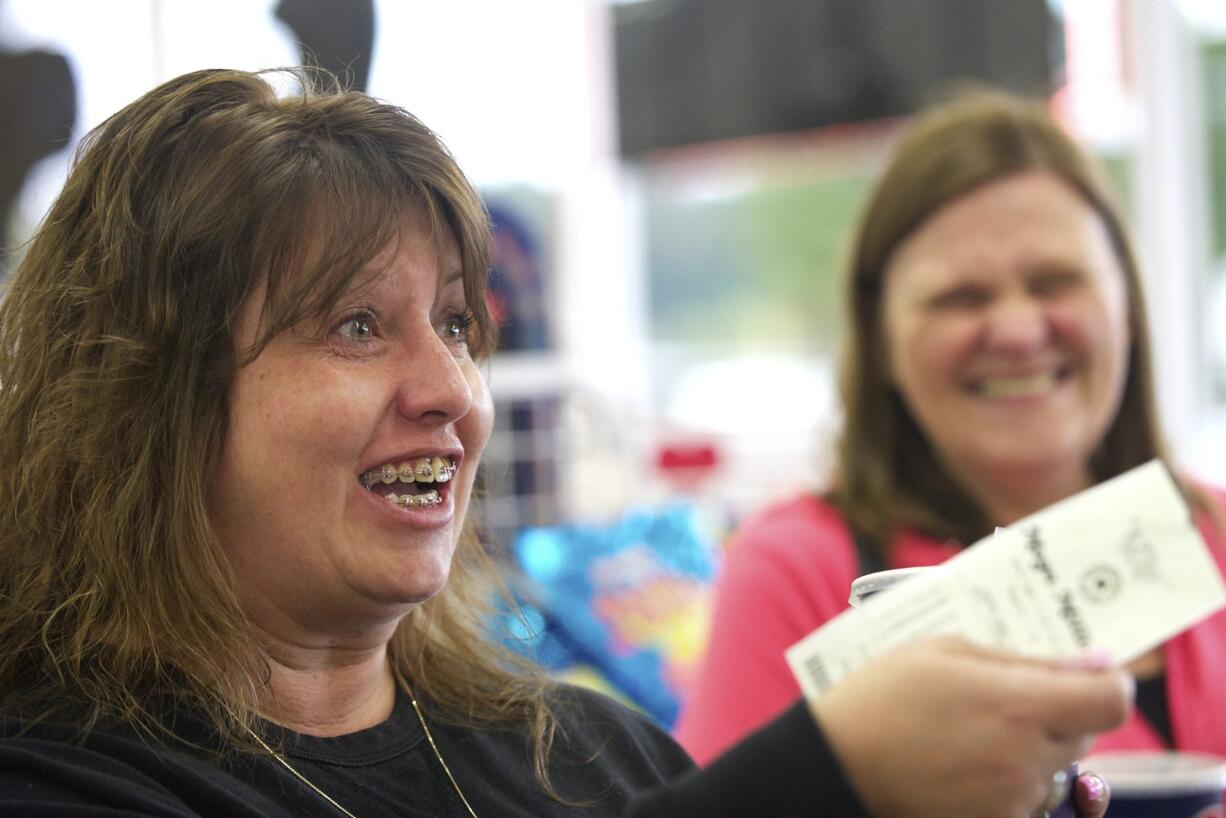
(692, 71)
(338, 35)
(38, 109)
(516, 291)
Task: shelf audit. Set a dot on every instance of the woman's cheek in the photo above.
(942, 345)
(1090, 326)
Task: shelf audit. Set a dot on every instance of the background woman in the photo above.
(998, 361)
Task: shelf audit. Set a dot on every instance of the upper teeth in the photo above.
(421, 470)
(1016, 387)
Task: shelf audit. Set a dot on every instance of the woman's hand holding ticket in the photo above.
(1006, 725)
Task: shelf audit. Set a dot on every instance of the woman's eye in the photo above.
(1055, 283)
(960, 298)
(456, 328)
(357, 328)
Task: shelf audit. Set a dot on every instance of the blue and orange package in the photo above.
(631, 599)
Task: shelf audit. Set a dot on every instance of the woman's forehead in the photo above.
(423, 237)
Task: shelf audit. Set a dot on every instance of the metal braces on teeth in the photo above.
(427, 500)
(422, 470)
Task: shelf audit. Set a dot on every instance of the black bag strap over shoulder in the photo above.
(869, 552)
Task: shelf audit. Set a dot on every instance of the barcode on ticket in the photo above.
(816, 669)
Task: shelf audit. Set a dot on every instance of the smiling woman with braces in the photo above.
(241, 416)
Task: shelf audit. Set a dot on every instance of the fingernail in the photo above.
(1092, 660)
(1130, 683)
(1094, 787)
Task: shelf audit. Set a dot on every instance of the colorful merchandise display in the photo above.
(629, 600)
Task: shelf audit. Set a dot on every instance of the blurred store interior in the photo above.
(671, 185)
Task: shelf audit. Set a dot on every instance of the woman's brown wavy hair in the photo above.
(887, 476)
(116, 360)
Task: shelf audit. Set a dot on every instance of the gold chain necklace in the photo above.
(284, 762)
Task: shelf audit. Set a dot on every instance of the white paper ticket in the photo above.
(1119, 567)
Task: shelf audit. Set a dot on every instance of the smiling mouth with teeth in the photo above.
(415, 476)
(1018, 387)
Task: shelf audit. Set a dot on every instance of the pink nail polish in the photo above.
(1093, 660)
(1094, 787)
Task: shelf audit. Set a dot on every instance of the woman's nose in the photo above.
(432, 380)
(1017, 325)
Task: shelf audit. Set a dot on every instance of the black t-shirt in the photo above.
(612, 760)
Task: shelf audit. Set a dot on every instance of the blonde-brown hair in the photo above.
(116, 359)
(888, 477)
